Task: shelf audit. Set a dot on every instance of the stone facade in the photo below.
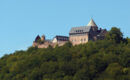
(78, 39)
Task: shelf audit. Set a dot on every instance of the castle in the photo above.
(77, 35)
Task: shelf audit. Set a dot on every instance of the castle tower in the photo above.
(37, 38)
(43, 38)
(93, 25)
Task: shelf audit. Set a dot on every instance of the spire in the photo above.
(92, 23)
(37, 38)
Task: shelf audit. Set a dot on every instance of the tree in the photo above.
(115, 35)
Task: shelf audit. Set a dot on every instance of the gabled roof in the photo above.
(82, 29)
(62, 38)
(92, 23)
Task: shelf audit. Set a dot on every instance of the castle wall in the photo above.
(61, 43)
(47, 44)
(78, 39)
(54, 40)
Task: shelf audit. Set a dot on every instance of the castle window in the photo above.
(79, 30)
(73, 40)
(84, 39)
(81, 40)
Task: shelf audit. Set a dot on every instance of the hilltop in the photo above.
(107, 59)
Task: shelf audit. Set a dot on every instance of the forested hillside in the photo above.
(107, 59)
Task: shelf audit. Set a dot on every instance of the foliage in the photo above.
(115, 34)
(107, 59)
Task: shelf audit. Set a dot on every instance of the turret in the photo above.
(43, 38)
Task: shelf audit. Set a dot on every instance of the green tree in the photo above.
(115, 35)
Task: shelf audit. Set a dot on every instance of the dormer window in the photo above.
(79, 31)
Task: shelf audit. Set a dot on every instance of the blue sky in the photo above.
(22, 20)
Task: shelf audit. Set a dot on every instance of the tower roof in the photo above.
(92, 23)
(37, 38)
